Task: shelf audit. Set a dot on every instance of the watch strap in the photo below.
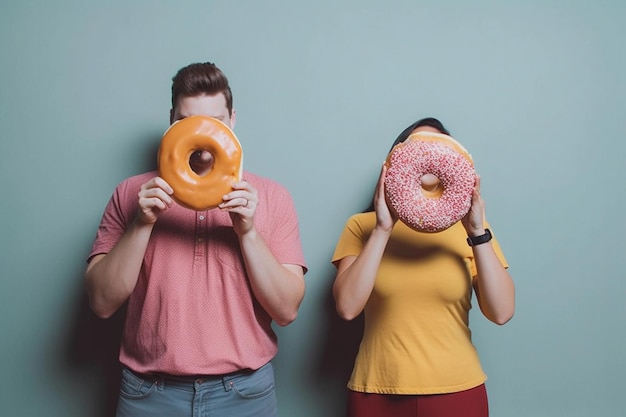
(477, 240)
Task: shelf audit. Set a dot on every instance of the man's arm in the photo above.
(279, 288)
(111, 278)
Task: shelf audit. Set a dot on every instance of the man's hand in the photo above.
(154, 198)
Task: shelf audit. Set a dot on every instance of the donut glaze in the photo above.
(180, 141)
(430, 209)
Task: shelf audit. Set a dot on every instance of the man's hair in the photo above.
(200, 79)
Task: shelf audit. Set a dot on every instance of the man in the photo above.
(202, 287)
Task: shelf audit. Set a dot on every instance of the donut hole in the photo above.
(201, 162)
(431, 186)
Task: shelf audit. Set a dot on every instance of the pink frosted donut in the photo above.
(438, 206)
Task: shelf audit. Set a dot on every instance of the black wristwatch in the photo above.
(477, 240)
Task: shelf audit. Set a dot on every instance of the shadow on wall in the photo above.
(93, 349)
(339, 344)
(94, 343)
(148, 152)
(94, 346)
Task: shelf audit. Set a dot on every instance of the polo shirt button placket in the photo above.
(200, 241)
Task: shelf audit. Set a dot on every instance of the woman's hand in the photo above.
(385, 217)
(474, 220)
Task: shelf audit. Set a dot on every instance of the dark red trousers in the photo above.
(469, 403)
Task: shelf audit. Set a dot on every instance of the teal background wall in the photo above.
(534, 89)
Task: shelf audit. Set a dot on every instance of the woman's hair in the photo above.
(427, 121)
(198, 79)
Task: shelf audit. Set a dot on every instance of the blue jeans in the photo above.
(241, 394)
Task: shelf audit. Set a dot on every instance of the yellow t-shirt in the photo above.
(416, 338)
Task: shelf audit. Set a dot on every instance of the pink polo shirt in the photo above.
(192, 311)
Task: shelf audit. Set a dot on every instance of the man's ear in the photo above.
(233, 119)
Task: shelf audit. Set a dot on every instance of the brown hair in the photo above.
(198, 79)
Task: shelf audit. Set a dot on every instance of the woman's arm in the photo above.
(356, 274)
(493, 284)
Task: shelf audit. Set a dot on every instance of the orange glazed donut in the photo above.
(180, 141)
(421, 201)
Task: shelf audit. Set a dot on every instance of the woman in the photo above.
(416, 356)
